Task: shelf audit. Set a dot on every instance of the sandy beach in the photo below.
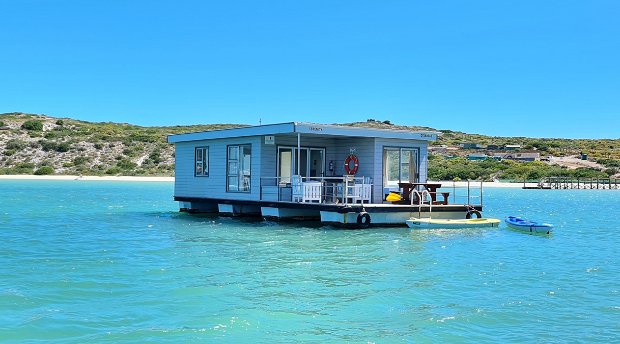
(89, 178)
(450, 183)
(171, 179)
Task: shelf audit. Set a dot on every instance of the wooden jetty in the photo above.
(583, 184)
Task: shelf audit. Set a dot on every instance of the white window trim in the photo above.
(204, 161)
(239, 172)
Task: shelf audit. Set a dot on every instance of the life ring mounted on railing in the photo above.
(347, 164)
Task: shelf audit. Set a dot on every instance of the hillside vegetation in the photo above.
(39, 144)
(35, 144)
(564, 158)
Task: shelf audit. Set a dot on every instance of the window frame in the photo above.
(401, 150)
(239, 163)
(204, 161)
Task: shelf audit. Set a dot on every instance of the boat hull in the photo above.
(523, 225)
(415, 223)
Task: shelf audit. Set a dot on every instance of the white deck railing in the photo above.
(328, 190)
(356, 190)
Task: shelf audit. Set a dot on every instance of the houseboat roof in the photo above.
(305, 128)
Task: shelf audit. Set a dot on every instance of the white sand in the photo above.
(449, 183)
(96, 178)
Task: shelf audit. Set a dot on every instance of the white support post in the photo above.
(299, 154)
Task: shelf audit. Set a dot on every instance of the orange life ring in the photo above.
(356, 164)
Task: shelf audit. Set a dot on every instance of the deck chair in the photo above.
(312, 192)
(297, 190)
(305, 191)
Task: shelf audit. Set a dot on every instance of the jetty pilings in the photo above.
(583, 184)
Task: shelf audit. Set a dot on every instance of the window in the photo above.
(201, 168)
(238, 171)
(400, 165)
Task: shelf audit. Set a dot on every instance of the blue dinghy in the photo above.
(521, 224)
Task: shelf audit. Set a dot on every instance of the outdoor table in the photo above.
(430, 187)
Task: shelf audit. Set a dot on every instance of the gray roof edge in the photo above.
(303, 128)
(342, 130)
(267, 129)
(367, 128)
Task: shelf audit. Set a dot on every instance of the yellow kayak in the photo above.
(449, 223)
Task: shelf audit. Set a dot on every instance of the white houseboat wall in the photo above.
(297, 170)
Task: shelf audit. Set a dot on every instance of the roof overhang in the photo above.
(305, 128)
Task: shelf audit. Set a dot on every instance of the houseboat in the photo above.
(335, 174)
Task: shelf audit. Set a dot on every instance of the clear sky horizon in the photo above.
(500, 68)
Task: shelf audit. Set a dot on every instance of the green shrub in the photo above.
(25, 165)
(126, 164)
(16, 170)
(155, 157)
(113, 171)
(60, 122)
(47, 145)
(51, 135)
(80, 160)
(611, 171)
(63, 147)
(98, 146)
(1, 124)
(610, 163)
(33, 125)
(82, 170)
(133, 151)
(587, 172)
(44, 170)
(15, 144)
(9, 152)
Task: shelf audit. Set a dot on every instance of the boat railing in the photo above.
(420, 196)
(347, 189)
(469, 192)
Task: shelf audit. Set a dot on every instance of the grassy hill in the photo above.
(39, 144)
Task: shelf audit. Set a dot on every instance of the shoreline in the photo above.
(86, 178)
(449, 183)
(445, 184)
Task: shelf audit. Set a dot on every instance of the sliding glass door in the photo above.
(316, 162)
(400, 165)
(312, 162)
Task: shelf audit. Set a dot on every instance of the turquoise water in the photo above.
(111, 262)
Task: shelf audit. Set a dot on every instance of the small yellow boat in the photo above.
(429, 223)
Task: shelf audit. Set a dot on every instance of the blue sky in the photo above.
(508, 68)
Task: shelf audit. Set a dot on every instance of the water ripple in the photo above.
(102, 264)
